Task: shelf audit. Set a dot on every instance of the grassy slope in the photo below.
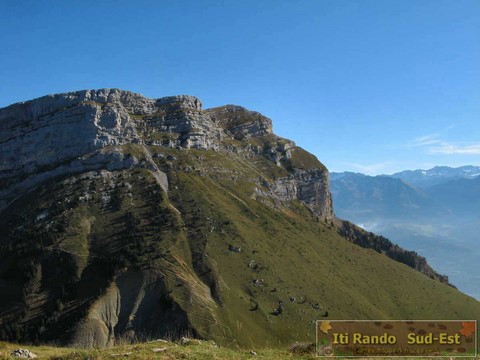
(300, 258)
(193, 349)
(303, 263)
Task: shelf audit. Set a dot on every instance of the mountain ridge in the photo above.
(113, 125)
(437, 175)
(123, 215)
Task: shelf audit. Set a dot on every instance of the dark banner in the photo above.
(397, 338)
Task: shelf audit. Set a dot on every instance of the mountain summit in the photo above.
(125, 217)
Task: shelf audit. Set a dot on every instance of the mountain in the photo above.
(438, 192)
(462, 196)
(437, 175)
(440, 221)
(361, 197)
(126, 218)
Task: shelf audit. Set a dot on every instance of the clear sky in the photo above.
(372, 86)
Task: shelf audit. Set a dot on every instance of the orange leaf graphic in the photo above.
(467, 329)
(325, 327)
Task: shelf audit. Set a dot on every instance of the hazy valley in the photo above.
(435, 212)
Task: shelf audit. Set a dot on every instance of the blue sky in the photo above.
(368, 86)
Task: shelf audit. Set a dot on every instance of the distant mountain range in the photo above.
(359, 197)
(461, 196)
(439, 192)
(437, 175)
(435, 212)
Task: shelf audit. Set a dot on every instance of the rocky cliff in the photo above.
(80, 131)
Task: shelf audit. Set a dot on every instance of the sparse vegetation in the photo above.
(163, 349)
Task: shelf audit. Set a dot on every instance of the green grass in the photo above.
(163, 136)
(76, 240)
(133, 150)
(302, 159)
(305, 260)
(162, 349)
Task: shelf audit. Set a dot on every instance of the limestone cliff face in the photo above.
(309, 186)
(91, 130)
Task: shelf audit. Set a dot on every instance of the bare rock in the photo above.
(23, 354)
(311, 186)
(89, 130)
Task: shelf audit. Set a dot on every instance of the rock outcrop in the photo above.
(309, 186)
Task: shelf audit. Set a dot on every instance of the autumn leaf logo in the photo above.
(468, 328)
(325, 327)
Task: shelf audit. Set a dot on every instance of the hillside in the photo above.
(125, 217)
(462, 196)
